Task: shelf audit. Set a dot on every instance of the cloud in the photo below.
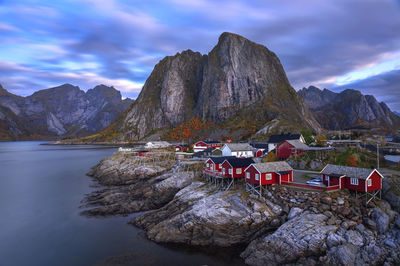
(324, 43)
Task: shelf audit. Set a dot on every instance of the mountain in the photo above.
(396, 113)
(238, 85)
(349, 109)
(63, 111)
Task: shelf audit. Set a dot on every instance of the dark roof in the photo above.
(282, 137)
(198, 154)
(211, 141)
(284, 172)
(220, 159)
(208, 150)
(239, 162)
(260, 145)
(183, 145)
(338, 170)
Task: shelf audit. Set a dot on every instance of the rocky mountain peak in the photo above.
(234, 75)
(348, 109)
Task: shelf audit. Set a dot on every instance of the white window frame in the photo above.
(238, 170)
(230, 171)
(223, 170)
(369, 182)
(354, 181)
(248, 175)
(268, 176)
(208, 165)
(257, 177)
(326, 178)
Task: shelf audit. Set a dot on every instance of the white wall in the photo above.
(226, 151)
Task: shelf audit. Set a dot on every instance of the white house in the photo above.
(241, 150)
(157, 144)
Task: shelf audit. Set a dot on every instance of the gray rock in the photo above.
(354, 238)
(360, 228)
(381, 219)
(304, 234)
(343, 255)
(390, 243)
(334, 239)
(340, 201)
(294, 212)
(397, 222)
(370, 223)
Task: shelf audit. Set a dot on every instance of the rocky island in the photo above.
(174, 204)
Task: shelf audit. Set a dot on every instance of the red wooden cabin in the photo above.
(353, 178)
(289, 148)
(202, 145)
(234, 167)
(269, 173)
(181, 148)
(215, 163)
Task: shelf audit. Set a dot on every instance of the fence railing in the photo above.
(309, 186)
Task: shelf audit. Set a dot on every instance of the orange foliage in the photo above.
(187, 130)
(351, 160)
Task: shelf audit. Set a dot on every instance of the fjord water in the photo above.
(41, 188)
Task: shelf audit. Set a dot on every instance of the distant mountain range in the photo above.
(396, 113)
(63, 111)
(349, 109)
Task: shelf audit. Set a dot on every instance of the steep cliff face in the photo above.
(61, 111)
(238, 77)
(349, 109)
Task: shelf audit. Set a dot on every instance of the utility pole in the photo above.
(377, 154)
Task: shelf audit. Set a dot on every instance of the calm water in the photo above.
(393, 158)
(40, 192)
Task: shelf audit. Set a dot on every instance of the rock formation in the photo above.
(237, 78)
(61, 111)
(349, 109)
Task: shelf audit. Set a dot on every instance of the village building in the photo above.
(258, 175)
(157, 144)
(204, 144)
(260, 148)
(182, 147)
(213, 165)
(367, 181)
(275, 140)
(216, 152)
(289, 148)
(234, 167)
(241, 150)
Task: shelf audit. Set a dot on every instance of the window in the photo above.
(230, 171)
(223, 170)
(354, 181)
(268, 177)
(369, 182)
(326, 178)
(248, 175)
(239, 171)
(257, 176)
(208, 165)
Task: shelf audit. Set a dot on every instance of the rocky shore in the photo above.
(288, 226)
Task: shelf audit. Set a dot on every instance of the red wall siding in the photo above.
(285, 150)
(360, 187)
(210, 164)
(226, 166)
(259, 153)
(253, 171)
(376, 182)
(287, 178)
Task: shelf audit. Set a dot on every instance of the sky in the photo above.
(332, 44)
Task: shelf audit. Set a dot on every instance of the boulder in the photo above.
(334, 239)
(200, 216)
(381, 219)
(354, 238)
(294, 212)
(302, 236)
